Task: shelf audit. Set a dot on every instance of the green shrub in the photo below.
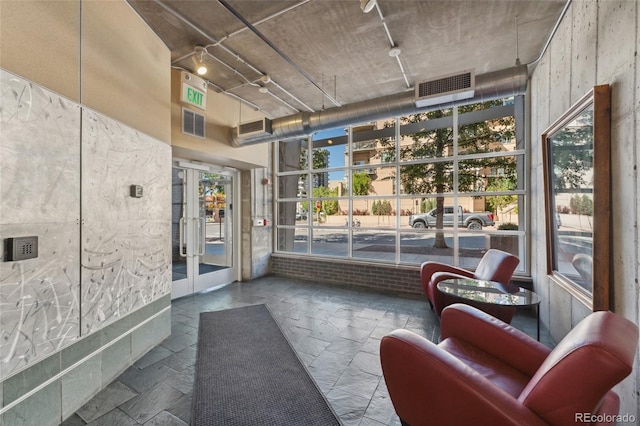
(508, 226)
(330, 207)
(375, 207)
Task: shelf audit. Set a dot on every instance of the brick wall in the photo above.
(388, 278)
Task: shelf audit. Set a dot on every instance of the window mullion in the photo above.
(350, 192)
(456, 245)
(398, 188)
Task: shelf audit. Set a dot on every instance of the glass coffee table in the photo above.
(495, 294)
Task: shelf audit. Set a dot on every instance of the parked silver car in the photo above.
(471, 220)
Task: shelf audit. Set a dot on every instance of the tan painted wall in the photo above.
(222, 114)
(124, 68)
(40, 41)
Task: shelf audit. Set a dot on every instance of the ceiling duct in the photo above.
(490, 86)
(448, 88)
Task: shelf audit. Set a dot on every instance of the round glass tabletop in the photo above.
(490, 292)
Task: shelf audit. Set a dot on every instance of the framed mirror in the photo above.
(577, 179)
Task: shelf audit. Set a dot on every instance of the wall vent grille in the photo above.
(445, 89)
(255, 127)
(193, 123)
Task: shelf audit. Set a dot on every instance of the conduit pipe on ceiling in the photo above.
(392, 44)
(276, 49)
(490, 86)
(219, 44)
(261, 21)
(553, 33)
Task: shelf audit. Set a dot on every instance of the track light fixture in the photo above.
(394, 51)
(265, 79)
(201, 68)
(367, 5)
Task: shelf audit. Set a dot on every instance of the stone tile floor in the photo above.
(335, 331)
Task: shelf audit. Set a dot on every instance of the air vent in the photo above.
(259, 127)
(445, 89)
(192, 123)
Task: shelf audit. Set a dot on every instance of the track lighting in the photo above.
(201, 68)
(367, 5)
(265, 79)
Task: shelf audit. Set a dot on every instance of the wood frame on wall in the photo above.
(600, 297)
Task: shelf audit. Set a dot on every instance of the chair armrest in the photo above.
(429, 385)
(445, 275)
(427, 269)
(493, 336)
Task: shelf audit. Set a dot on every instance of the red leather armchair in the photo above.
(495, 265)
(486, 372)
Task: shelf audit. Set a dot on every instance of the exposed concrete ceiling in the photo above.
(319, 54)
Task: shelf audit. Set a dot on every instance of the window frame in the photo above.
(520, 152)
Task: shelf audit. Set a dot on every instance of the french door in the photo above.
(203, 228)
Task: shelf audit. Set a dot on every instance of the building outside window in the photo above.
(442, 185)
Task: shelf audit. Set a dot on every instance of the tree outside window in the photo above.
(437, 177)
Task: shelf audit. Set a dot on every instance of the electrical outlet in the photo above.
(21, 248)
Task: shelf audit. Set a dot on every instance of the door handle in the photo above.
(181, 237)
(202, 225)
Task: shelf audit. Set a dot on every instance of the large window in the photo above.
(443, 185)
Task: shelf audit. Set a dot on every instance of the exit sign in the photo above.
(193, 96)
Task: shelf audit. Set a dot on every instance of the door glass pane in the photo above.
(178, 205)
(213, 192)
(202, 230)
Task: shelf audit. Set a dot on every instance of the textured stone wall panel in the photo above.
(126, 252)
(40, 196)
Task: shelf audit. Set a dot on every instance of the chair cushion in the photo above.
(496, 265)
(502, 375)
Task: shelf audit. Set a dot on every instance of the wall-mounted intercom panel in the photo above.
(135, 191)
(21, 248)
